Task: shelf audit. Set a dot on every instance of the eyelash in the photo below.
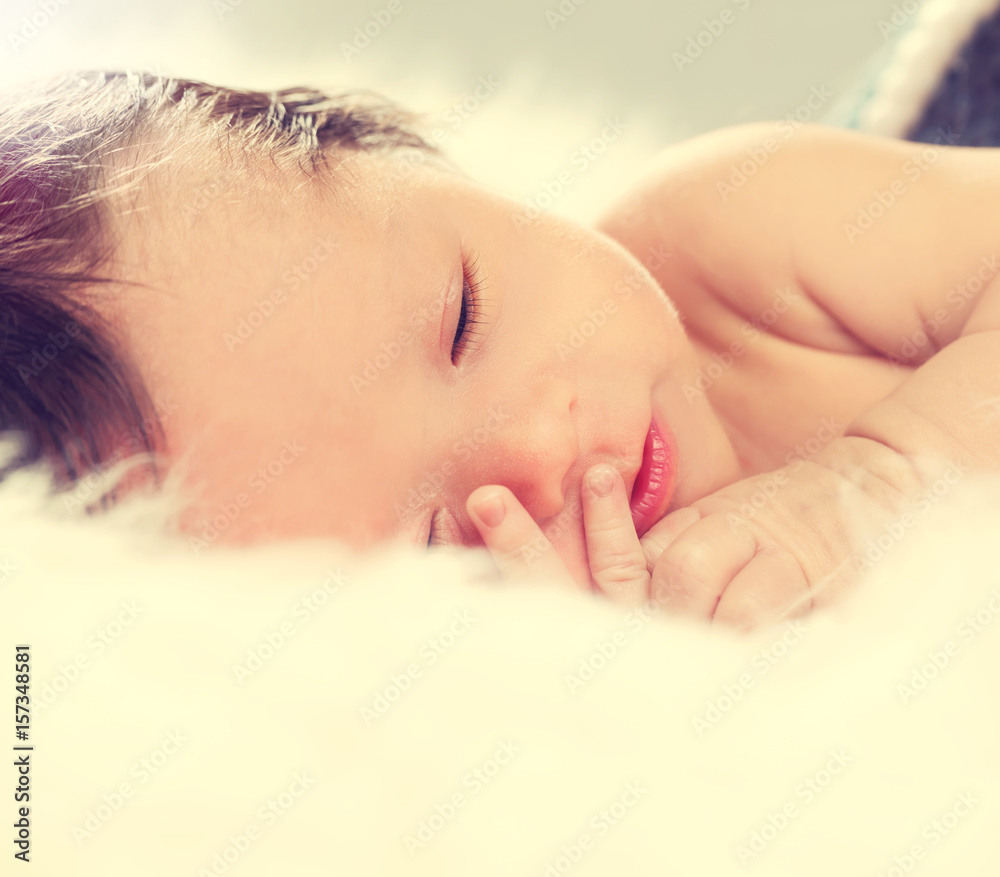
(434, 539)
(470, 316)
(471, 313)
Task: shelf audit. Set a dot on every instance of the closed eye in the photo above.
(443, 530)
(471, 313)
(470, 316)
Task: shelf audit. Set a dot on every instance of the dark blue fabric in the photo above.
(966, 104)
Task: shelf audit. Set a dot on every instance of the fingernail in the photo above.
(601, 481)
(491, 510)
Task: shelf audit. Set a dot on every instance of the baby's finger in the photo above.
(692, 573)
(770, 587)
(517, 544)
(617, 564)
(661, 535)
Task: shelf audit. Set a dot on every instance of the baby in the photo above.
(324, 329)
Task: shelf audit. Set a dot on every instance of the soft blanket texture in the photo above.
(299, 710)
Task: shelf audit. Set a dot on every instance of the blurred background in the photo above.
(521, 91)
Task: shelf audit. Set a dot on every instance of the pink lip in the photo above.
(655, 480)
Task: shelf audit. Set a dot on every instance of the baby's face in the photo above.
(306, 339)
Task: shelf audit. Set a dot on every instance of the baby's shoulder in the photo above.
(856, 233)
(721, 214)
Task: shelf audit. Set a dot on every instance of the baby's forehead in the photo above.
(261, 306)
(372, 236)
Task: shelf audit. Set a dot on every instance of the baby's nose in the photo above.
(530, 448)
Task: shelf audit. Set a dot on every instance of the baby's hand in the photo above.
(617, 565)
(780, 543)
(773, 545)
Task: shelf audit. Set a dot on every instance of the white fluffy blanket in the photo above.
(298, 710)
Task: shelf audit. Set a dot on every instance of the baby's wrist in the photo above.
(889, 476)
(876, 468)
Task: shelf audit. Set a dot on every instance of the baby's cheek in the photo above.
(566, 534)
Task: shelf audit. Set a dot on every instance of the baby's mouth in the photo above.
(655, 480)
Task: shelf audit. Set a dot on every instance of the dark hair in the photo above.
(72, 148)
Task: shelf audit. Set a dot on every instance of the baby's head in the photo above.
(319, 324)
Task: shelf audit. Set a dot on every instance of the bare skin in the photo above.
(892, 334)
(325, 420)
(306, 335)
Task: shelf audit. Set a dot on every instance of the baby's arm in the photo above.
(892, 240)
(888, 245)
(801, 222)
